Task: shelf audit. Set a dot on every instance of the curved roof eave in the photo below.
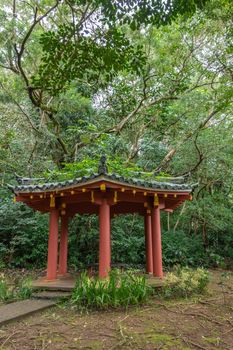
(111, 178)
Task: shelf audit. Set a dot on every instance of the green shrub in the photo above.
(120, 289)
(184, 282)
(23, 235)
(216, 260)
(182, 249)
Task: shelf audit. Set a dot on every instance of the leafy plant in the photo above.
(18, 290)
(216, 260)
(24, 289)
(182, 249)
(184, 282)
(120, 289)
(6, 292)
(2, 263)
(23, 235)
(89, 165)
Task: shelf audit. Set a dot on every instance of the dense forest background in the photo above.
(149, 84)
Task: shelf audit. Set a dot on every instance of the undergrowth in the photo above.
(185, 282)
(18, 291)
(120, 289)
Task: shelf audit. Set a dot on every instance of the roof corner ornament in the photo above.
(103, 168)
(27, 180)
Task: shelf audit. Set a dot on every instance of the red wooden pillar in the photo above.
(148, 242)
(104, 239)
(156, 242)
(53, 244)
(62, 270)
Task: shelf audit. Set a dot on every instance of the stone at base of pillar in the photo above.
(46, 280)
(158, 274)
(63, 274)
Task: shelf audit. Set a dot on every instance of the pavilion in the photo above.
(106, 195)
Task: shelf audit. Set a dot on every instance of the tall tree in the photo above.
(83, 43)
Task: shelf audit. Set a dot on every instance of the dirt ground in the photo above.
(200, 323)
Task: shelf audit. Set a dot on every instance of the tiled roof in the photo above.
(101, 175)
(156, 185)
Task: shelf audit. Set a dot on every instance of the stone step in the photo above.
(51, 295)
(20, 309)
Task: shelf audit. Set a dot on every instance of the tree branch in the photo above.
(200, 159)
(19, 52)
(20, 108)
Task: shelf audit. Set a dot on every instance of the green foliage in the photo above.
(2, 265)
(106, 53)
(215, 260)
(23, 235)
(83, 241)
(19, 290)
(128, 242)
(184, 282)
(182, 249)
(120, 289)
(89, 165)
(24, 289)
(96, 54)
(70, 171)
(6, 293)
(127, 248)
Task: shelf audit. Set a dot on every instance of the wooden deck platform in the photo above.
(66, 283)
